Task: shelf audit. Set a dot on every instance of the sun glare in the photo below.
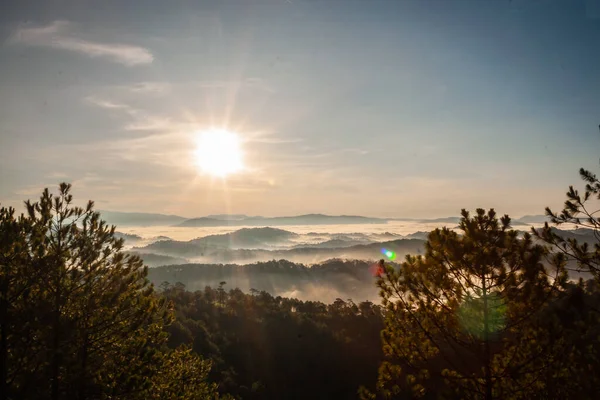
(219, 153)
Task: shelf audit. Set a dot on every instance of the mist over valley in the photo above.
(309, 262)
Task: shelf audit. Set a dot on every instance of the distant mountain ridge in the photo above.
(139, 219)
(524, 220)
(308, 219)
(120, 218)
(217, 220)
(157, 260)
(331, 244)
(228, 217)
(246, 238)
(533, 219)
(128, 237)
(456, 220)
(307, 253)
(450, 220)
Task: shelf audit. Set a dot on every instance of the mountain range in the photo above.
(247, 238)
(308, 219)
(262, 244)
(217, 220)
(307, 253)
(140, 219)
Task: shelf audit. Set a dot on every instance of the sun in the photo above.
(219, 152)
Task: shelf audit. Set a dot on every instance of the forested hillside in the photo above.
(320, 282)
(267, 347)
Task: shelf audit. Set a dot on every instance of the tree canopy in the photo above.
(464, 317)
(79, 319)
(580, 210)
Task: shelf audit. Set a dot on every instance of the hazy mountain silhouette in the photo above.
(418, 235)
(140, 219)
(128, 237)
(386, 235)
(247, 238)
(582, 235)
(227, 217)
(308, 219)
(533, 219)
(332, 244)
(456, 220)
(307, 253)
(157, 260)
(449, 220)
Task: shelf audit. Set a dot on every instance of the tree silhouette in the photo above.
(79, 318)
(267, 347)
(581, 212)
(463, 318)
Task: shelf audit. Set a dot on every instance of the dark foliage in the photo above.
(79, 319)
(581, 210)
(479, 316)
(267, 347)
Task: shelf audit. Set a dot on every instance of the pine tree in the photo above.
(17, 277)
(80, 319)
(581, 212)
(463, 317)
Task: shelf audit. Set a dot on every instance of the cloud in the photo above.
(58, 35)
(140, 120)
(152, 123)
(106, 103)
(149, 87)
(32, 190)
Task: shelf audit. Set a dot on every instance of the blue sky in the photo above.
(383, 108)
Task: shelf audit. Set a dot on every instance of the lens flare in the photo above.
(389, 254)
(378, 269)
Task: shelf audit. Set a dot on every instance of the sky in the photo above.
(390, 108)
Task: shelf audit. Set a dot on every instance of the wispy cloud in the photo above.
(60, 35)
(102, 103)
(32, 190)
(149, 87)
(152, 123)
(140, 120)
